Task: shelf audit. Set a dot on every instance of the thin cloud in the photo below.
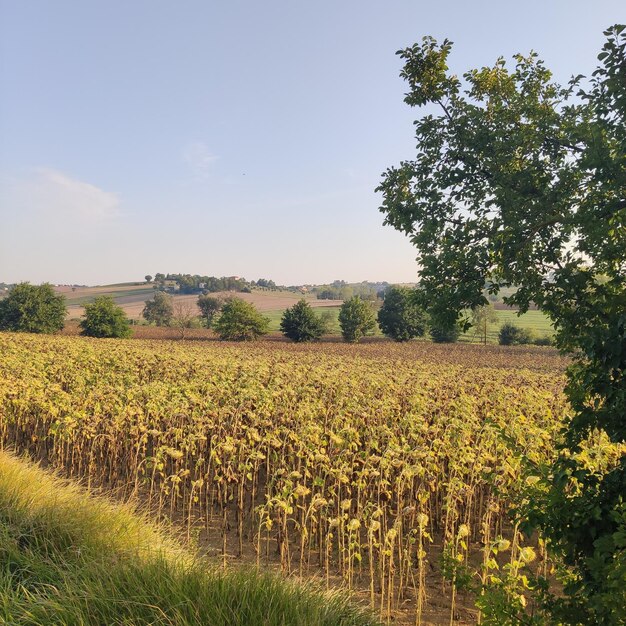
(51, 192)
(199, 158)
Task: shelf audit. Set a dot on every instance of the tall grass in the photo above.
(69, 558)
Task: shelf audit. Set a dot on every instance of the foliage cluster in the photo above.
(159, 310)
(341, 290)
(402, 316)
(512, 335)
(300, 323)
(444, 333)
(196, 284)
(32, 309)
(240, 321)
(209, 307)
(103, 318)
(356, 319)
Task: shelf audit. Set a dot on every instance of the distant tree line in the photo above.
(341, 290)
(195, 284)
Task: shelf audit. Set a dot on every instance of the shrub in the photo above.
(300, 323)
(356, 319)
(240, 321)
(512, 335)
(441, 334)
(544, 340)
(32, 309)
(103, 318)
(401, 317)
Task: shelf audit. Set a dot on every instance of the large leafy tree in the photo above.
(103, 318)
(241, 321)
(356, 319)
(518, 181)
(159, 310)
(32, 309)
(300, 323)
(402, 316)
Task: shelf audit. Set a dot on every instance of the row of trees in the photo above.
(341, 290)
(194, 283)
(39, 309)
(30, 308)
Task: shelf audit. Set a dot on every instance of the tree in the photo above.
(482, 316)
(184, 315)
(148, 278)
(159, 310)
(103, 318)
(356, 319)
(444, 333)
(401, 316)
(512, 335)
(240, 321)
(32, 309)
(300, 323)
(520, 182)
(209, 307)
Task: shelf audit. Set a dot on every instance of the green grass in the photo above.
(535, 321)
(67, 558)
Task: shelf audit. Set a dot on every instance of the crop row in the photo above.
(367, 468)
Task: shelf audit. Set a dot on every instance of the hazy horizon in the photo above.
(231, 139)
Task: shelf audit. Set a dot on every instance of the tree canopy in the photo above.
(240, 321)
(300, 323)
(521, 182)
(32, 309)
(402, 316)
(209, 307)
(356, 319)
(103, 318)
(482, 316)
(159, 310)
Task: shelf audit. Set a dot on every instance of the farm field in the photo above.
(132, 298)
(532, 320)
(363, 466)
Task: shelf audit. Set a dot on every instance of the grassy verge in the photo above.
(535, 321)
(67, 558)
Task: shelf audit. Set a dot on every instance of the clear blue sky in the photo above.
(236, 137)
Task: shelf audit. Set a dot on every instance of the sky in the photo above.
(239, 137)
